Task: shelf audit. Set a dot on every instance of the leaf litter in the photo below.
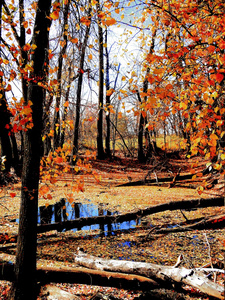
(137, 244)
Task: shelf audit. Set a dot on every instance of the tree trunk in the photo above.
(6, 149)
(24, 286)
(141, 155)
(100, 150)
(79, 87)
(107, 83)
(143, 119)
(57, 125)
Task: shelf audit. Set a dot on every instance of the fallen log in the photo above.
(206, 223)
(66, 274)
(162, 179)
(191, 277)
(173, 205)
(52, 292)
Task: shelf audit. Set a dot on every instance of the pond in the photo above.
(64, 211)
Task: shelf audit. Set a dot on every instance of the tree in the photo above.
(100, 150)
(57, 127)
(80, 80)
(8, 142)
(24, 286)
(108, 95)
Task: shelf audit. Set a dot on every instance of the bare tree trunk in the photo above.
(100, 150)
(79, 86)
(143, 119)
(107, 139)
(57, 125)
(24, 286)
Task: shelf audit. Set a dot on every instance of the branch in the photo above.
(11, 23)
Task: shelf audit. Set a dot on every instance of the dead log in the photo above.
(163, 179)
(52, 292)
(64, 274)
(173, 205)
(206, 223)
(191, 277)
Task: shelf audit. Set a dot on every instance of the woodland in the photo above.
(112, 138)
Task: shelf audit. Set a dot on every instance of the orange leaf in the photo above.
(85, 20)
(58, 160)
(219, 77)
(44, 190)
(55, 15)
(110, 21)
(74, 41)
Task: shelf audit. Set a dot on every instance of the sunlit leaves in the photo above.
(56, 9)
(85, 20)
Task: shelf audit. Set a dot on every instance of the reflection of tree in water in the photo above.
(63, 211)
(58, 210)
(46, 213)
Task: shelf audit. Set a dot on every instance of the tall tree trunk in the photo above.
(107, 139)
(100, 150)
(57, 127)
(79, 86)
(62, 136)
(24, 286)
(143, 119)
(141, 155)
(8, 149)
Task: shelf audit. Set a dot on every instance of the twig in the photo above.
(4, 206)
(209, 252)
(156, 178)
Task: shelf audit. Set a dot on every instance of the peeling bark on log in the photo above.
(81, 275)
(173, 205)
(190, 277)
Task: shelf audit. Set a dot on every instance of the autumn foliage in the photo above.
(182, 64)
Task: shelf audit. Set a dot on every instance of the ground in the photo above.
(101, 184)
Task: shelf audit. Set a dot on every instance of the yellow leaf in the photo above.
(183, 105)
(55, 15)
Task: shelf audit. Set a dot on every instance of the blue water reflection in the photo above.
(64, 211)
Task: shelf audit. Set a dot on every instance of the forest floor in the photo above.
(102, 186)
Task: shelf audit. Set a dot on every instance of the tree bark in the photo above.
(100, 150)
(143, 119)
(195, 279)
(7, 149)
(24, 286)
(79, 87)
(57, 125)
(107, 84)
